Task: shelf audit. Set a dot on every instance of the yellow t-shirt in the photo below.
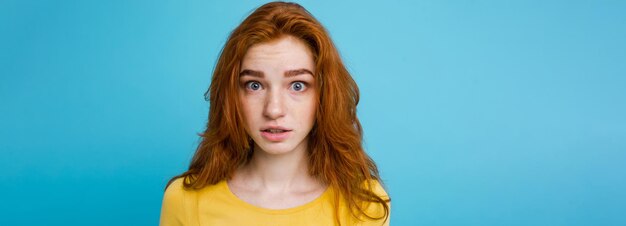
(217, 205)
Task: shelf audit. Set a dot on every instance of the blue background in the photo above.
(477, 112)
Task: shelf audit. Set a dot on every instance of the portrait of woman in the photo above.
(283, 144)
(443, 113)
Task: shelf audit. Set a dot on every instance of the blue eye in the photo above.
(253, 85)
(298, 86)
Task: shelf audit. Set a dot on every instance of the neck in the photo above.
(278, 172)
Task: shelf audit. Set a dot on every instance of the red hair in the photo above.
(336, 155)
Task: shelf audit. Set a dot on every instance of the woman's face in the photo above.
(277, 91)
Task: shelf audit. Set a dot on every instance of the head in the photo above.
(280, 71)
(334, 91)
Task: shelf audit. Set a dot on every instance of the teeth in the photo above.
(275, 130)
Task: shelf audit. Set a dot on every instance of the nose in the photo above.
(274, 105)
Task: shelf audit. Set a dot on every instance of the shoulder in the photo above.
(376, 187)
(174, 190)
(173, 206)
(375, 209)
(180, 204)
(176, 193)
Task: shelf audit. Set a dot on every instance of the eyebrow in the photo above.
(289, 73)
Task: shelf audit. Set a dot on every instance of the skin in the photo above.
(277, 89)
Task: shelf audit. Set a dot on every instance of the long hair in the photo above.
(336, 155)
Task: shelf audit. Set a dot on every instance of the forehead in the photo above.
(282, 54)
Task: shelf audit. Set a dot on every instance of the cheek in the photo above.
(247, 110)
(308, 111)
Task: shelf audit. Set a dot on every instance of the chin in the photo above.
(276, 148)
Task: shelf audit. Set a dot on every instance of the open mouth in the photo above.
(275, 130)
(276, 134)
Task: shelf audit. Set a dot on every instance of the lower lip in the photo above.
(275, 136)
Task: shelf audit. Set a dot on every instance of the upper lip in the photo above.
(275, 128)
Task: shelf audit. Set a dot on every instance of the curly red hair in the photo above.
(336, 155)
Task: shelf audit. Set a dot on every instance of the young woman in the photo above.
(283, 143)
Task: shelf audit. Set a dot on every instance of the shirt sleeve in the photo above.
(172, 208)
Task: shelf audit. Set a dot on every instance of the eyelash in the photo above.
(304, 86)
(248, 84)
